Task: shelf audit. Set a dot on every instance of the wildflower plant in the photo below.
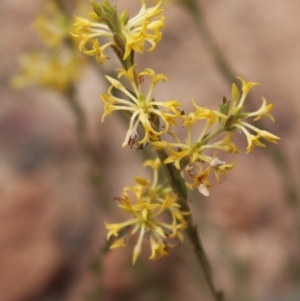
(147, 207)
(157, 212)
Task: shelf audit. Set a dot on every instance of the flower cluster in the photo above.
(143, 108)
(233, 118)
(193, 157)
(155, 215)
(49, 71)
(52, 25)
(230, 118)
(124, 35)
(57, 65)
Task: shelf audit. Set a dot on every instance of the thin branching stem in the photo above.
(178, 185)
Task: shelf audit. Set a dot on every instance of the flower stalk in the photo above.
(178, 185)
(157, 212)
(160, 212)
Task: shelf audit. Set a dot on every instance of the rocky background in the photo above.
(54, 200)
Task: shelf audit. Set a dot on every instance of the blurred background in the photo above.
(60, 167)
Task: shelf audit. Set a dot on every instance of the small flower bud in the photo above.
(216, 162)
(203, 189)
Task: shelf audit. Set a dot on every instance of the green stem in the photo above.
(212, 135)
(178, 185)
(174, 177)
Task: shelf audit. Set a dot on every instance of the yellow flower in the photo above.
(246, 87)
(233, 117)
(142, 107)
(52, 25)
(118, 31)
(57, 65)
(255, 139)
(220, 167)
(155, 214)
(200, 178)
(191, 150)
(202, 113)
(262, 111)
(56, 71)
(193, 153)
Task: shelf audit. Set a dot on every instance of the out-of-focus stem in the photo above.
(81, 130)
(71, 97)
(195, 10)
